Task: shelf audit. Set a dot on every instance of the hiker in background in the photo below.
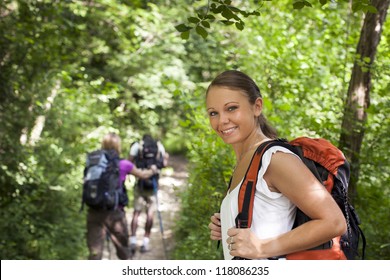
(145, 153)
(101, 220)
(234, 106)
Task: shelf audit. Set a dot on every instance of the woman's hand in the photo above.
(215, 227)
(242, 242)
(154, 169)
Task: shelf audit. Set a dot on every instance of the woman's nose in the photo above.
(224, 118)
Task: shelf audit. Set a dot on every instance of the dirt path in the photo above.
(173, 178)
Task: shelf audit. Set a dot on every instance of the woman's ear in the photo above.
(258, 106)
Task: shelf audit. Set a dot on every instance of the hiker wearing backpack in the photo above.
(105, 195)
(144, 153)
(284, 183)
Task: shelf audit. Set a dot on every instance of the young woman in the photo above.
(114, 221)
(234, 105)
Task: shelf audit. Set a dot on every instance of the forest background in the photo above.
(71, 71)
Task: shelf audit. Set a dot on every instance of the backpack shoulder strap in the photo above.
(141, 149)
(159, 152)
(248, 186)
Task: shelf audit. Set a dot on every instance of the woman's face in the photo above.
(231, 115)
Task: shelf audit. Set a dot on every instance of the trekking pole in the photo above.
(155, 188)
(108, 237)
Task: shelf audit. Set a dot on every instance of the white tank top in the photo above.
(273, 213)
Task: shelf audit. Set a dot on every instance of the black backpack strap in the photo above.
(364, 243)
(141, 149)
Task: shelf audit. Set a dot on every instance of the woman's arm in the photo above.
(288, 175)
(144, 173)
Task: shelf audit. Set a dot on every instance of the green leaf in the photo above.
(226, 13)
(205, 23)
(240, 25)
(235, 9)
(367, 59)
(323, 2)
(201, 31)
(227, 22)
(182, 27)
(298, 5)
(372, 9)
(217, 9)
(185, 35)
(244, 13)
(307, 4)
(356, 7)
(193, 20)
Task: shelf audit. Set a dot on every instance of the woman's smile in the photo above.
(229, 131)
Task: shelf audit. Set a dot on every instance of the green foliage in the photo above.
(41, 219)
(302, 65)
(70, 72)
(229, 13)
(81, 70)
(373, 201)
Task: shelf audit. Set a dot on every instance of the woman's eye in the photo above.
(212, 114)
(232, 108)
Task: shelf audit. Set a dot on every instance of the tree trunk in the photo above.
(358, 99)
(39, 124)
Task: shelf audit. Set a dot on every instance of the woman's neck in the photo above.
(253, 141)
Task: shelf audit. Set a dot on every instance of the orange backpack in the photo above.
(330, 167)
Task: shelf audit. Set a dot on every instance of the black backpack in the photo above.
(101, 187)
(148, 155)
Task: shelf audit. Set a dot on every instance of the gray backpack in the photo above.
(101, 187)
